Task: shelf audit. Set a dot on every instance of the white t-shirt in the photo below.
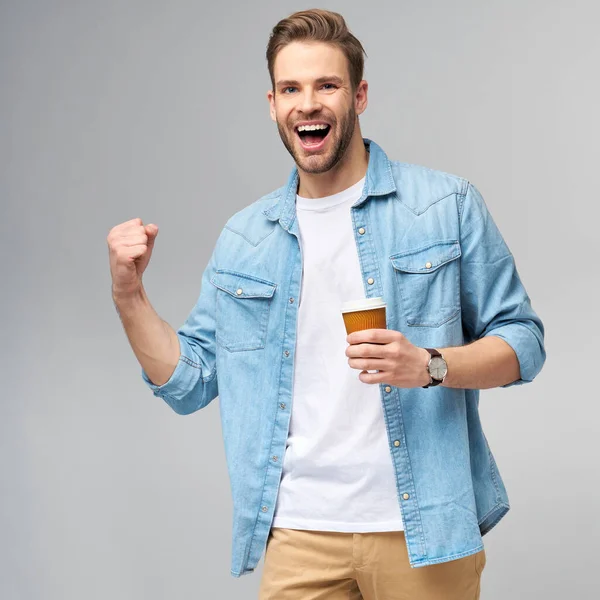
(337, 471)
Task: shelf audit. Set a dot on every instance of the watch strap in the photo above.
(432, 382)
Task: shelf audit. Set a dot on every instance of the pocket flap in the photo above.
(240, 285)
(427, 258)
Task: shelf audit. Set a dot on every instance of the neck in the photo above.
(350, 170)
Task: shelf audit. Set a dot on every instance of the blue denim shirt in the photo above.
(431, 249)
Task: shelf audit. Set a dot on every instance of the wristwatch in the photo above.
(437, 368)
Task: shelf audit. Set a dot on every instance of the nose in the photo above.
(309, 102)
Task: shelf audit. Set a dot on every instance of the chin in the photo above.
(314, 164)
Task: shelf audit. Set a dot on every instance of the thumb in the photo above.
(151, 232)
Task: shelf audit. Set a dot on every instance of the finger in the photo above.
(372, 377)
(134, 252)
(367, 364)
(367, 350)
(137, 222)
(126, 231)
(134, 240)
(374, 336)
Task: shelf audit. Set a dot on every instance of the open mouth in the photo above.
(313, 138)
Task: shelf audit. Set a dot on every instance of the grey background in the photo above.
(113, 110)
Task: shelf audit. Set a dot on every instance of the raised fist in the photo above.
(130, 246)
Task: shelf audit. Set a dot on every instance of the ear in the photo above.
(361, 97)
(271, 99)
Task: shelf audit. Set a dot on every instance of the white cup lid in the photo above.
(364, 304)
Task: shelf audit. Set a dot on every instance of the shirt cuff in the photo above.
(184, 377)
(528, 348)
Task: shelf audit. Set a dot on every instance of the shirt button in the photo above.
(370, 281)
(387, 388)
(286, 353)
(405, 496)
(275, 458)
(397, 443)
(291, 301)
(361, 231)
(265, 509)
(239, 291)
(282, 405)
(428, 265)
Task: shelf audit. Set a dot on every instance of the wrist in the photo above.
(425, 378)
(129, 299)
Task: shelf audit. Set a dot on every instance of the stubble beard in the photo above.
(321, 163)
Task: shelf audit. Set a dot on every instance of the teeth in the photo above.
(312, 127)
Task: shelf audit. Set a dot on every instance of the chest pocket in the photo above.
(429, 283)
(242, 310)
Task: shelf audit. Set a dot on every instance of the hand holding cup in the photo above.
(382, 355)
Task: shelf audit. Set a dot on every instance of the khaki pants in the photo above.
(319, 565)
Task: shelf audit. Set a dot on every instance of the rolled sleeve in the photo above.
(494, 300)
(184, 377)
(528, 344)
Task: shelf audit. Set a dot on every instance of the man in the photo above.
(358, 461)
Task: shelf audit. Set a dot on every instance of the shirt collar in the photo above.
(379, 181)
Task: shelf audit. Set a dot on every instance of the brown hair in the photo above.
(317, 25)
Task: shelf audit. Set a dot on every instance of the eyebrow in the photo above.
(293, 82)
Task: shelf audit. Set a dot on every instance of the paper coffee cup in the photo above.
(367, 313)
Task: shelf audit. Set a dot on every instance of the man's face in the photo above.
(312, 87)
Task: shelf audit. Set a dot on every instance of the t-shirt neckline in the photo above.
(353, 191)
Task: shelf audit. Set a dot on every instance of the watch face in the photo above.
(438, 367)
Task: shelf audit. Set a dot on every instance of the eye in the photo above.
(331, 85)
(285, 90)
